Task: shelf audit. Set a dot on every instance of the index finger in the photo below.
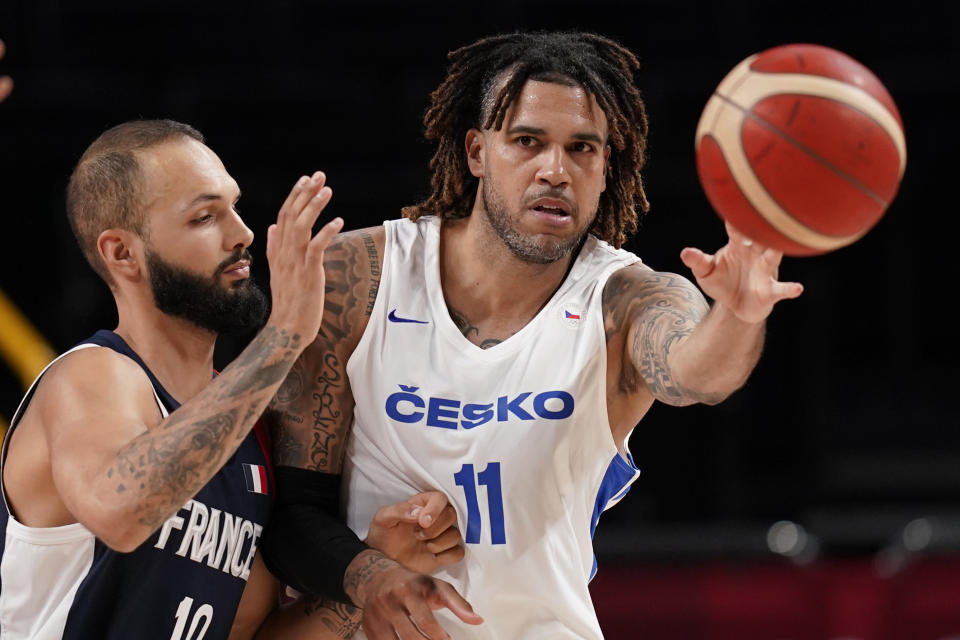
(444, 595)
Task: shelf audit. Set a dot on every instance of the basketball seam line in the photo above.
(813, 154)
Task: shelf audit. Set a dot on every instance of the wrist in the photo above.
(746, 319)
(362, 572)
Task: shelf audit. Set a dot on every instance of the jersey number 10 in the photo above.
(490, 478)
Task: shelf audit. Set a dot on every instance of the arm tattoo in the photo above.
(661, 309)
(325, 416)
(359, 573)
(374, 260)
(310, 416)
(168, 464)
(342, 619)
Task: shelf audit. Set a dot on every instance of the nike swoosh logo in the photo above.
(393, 317)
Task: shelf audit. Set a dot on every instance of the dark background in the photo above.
(849, 424)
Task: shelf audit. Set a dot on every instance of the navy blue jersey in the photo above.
(185, 582)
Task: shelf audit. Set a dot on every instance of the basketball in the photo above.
(801, 148)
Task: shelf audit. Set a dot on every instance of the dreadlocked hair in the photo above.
(505, 63)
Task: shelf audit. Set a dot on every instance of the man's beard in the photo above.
(521, 245)
(205, 301)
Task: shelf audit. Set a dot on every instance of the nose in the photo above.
(239, 235)
(552, 170)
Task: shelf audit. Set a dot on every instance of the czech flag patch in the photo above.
(256, 478)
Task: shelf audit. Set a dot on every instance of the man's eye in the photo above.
(583, 147)
(526, 141)
(202, 219)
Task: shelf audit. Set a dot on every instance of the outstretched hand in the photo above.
(742, 276)
(6, 84)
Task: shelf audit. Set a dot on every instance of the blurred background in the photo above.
(820, 501)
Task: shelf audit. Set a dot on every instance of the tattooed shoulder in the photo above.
(353, 264)
(651, 312)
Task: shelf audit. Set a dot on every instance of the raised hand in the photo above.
(6, 84)
(296, 257)
(742, 276)
(420, 533)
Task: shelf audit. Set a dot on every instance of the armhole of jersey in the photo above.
(625, 455)
(26, 400)
(19, 412)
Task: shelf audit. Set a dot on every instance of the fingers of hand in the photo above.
(390, 515)
(445, 540)
(450, 556)
(311, 210)
(735, 235)
(700, 264)
(404, 628)
(434, 503)
(307, 191)
(303, 191)
(423, 617)
(437, 523)
(6, 86)
(445, 595)
(322, 240)
(271, 241)
(786, 290)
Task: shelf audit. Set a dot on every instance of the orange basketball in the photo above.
(801, 148)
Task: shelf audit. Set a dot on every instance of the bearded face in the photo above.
(205, 300)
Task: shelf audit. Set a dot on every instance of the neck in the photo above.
(484, 280)
(178, 352)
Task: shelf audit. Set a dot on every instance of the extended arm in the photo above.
(676, 346)
(127, 476)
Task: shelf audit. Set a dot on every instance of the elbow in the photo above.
(122, 538)
(119, 529)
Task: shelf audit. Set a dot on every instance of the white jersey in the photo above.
(517, 436)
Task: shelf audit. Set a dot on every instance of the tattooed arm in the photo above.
(665, 342)
(310, 416)
(119, 469)
(655, 315)
(310, 420)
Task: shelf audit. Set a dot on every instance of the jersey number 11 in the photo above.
(490, 478)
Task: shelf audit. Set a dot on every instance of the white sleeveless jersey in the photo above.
(517, 436)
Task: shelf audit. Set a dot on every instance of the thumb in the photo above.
(425, 507)
(393, 514)
(446, 596)
(700, 263)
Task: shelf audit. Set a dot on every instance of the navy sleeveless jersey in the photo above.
(184, 582)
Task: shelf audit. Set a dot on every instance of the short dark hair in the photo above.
(486, 76)
(104, 188)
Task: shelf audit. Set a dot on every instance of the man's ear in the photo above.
(474, 143)
(121, 252)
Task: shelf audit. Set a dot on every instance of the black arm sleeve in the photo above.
(305, 544)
